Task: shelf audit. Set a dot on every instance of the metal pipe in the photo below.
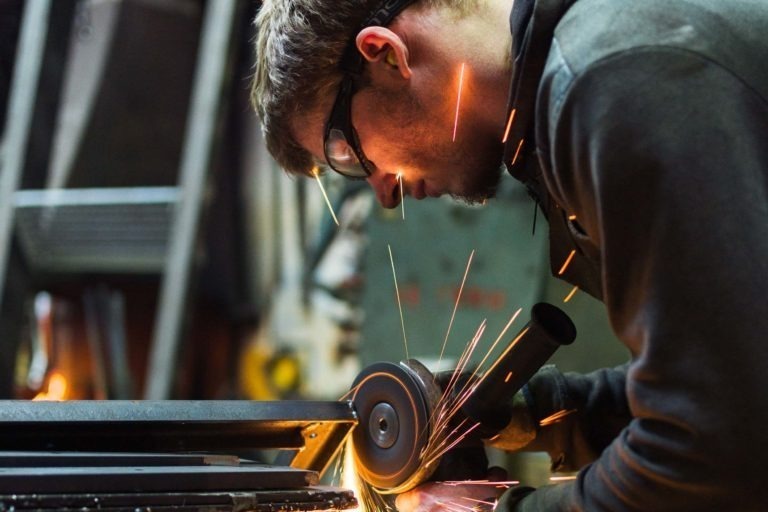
(210, 79)
(24, 85)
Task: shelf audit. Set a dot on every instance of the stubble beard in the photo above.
(482, 174)
(479, 162)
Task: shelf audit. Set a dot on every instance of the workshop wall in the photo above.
(281, 302)
(509, 270)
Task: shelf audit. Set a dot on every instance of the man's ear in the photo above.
(381, 45)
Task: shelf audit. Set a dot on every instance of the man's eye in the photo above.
(341, 152)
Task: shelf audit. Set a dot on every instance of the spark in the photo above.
(368, 500)
(456, 306)
(458, 101)
(501, 335)
(352, 391)
(491, 504)
(402, 197)
(350, 479)
(443, 436)
(436, 444)
(339, 469)
(562, 478)
(316, 173)
(447, 406)
(471, 383)
(508, 377)
(451, 506)
(453, 444)
(466, 355)
(570, 295)
(503, 355)
(571, 217)
(456, 507)
(399, 304)
(554, 418)
(517, 151)
(489, 483)
(509, 125)
(567, 262)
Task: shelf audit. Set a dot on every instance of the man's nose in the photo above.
(386, 187)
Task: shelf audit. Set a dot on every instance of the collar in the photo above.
(533, 24)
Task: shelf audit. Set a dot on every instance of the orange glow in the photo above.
(458, 101)
(57, 389)
(517, 152)
(567, 262)
(554, 418)
(349, 478)
(316, 173)
(562, 478)
(509, 125)
(570, 295)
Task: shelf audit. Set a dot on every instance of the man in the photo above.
(641, 129)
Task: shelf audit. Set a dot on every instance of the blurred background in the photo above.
(151, 249)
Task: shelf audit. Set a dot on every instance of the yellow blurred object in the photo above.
(285, 373)
(267, 375)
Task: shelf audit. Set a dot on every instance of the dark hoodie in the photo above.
(645, 140)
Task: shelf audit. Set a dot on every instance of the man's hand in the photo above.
(443, 496)
(440, 496)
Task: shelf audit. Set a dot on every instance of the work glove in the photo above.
(521, 429)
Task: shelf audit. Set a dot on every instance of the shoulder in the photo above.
(727, 34)
(627, 47)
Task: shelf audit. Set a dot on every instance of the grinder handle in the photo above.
(490, 403)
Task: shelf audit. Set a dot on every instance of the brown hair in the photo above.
(298, 47)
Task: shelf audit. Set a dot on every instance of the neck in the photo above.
(489, 55)
(441, 40)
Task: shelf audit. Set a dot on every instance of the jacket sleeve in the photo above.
(663, 157)
(577, 415)
(571, 416)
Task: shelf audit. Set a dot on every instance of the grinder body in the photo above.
(403, 438)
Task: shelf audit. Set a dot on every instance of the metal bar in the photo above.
(53, 480)
(313, 430)
(24, 85)
(198, 148)
(93, 460)
(174, 411)
(310, 498)
(96, 196)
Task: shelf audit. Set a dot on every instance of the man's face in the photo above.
(410, 132)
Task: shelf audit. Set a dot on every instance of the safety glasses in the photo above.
(341, 145)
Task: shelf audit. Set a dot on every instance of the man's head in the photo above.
(395, 113)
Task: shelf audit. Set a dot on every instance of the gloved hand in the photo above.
(441, 496)
(521, 429)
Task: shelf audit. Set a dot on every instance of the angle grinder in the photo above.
(400, 440)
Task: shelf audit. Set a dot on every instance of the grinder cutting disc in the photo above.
(394, 403)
